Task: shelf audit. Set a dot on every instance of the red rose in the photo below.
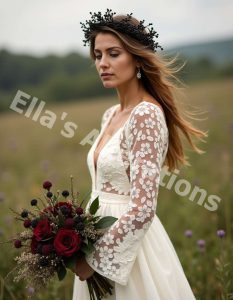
(42, 230)
(34, 245)
(47, 249)
(67, 242)
(69, 223)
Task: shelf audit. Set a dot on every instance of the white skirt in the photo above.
(157, 273)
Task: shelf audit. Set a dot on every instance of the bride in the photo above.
(139, 136)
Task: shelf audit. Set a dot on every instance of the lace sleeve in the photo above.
(116, 250)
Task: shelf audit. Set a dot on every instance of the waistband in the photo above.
(110, 198)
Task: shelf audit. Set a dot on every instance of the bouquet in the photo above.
(55, 236)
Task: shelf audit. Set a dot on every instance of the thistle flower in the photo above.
(79, 210)
(188, 233)
(220, 233)
(65, 193)
(201, 245)
(33, 202)
(31, 290)
(47, 185)
(27, 223)
(24, 213)
(18, 244)
(49, 195)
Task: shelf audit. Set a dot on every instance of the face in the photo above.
(113, 60)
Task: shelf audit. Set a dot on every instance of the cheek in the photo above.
(125, 66)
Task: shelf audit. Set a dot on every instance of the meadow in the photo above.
(31, 153)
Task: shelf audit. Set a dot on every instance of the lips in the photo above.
(106, 74)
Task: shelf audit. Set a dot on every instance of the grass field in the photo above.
(31, 153)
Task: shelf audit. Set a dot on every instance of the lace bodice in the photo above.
(129, 164)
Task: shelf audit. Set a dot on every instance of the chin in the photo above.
(109, 85)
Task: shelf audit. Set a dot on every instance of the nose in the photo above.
(103, 63)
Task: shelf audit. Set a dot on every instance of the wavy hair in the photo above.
(160, 81)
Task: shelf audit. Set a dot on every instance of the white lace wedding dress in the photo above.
(135, 253)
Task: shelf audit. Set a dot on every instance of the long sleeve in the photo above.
(115, 252)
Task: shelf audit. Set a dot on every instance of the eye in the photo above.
(111, 54)
(114, 54)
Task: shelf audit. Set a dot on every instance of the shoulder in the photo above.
(147, 113)
(146, 123)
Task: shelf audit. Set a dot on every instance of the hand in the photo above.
(82, 269)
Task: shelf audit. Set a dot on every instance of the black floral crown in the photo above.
(137, 32)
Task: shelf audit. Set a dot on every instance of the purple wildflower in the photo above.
(201, 245)
(220, 233)
(30, 290)
(188, 233)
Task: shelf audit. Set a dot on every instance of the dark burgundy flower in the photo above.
(69, 223)
(65, 193)
(78, 219)
(64, 207)
(33, 202)
(79, 210)
(24, 213)
(34, 223)
(47, 185)
(27, 223)
(43, 230)
(67, 242)
(49, 194)
(47, 249)
(18, 244)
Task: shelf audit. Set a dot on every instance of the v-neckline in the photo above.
(101, 135)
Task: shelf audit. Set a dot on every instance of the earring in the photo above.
(139, 75)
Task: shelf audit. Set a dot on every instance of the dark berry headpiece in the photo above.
(137, 32)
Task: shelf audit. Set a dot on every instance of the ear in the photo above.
(137, 63)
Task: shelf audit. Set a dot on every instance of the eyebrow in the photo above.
(111, 48)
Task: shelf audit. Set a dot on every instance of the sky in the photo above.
(53, 26)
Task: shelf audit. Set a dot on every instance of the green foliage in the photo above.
(105, 222)
(61, 272)
(94, 206)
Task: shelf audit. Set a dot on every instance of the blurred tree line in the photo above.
(73, 77)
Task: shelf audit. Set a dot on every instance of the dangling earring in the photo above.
(139, 75)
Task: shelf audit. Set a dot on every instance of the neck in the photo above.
(130, 94)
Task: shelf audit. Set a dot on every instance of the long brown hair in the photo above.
(159, 80)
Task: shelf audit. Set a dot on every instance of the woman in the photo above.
(138, 137)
